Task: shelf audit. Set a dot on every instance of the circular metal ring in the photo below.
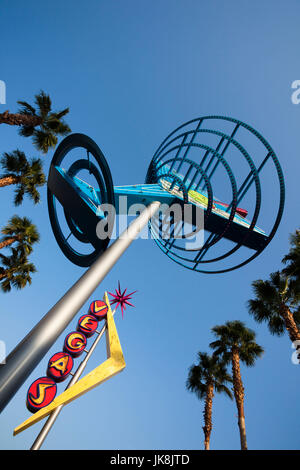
(105, 183)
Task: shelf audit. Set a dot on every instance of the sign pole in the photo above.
(29, 352)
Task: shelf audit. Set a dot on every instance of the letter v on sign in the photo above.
(114, 364)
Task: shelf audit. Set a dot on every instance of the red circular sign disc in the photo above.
(99, 309)
(40, 393)
(87, 324)
(75, 343)
(60, 366)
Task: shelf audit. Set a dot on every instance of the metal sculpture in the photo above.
(186, 165)
(183, 170)
(190, 165)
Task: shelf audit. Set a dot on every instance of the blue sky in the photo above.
(131, 72)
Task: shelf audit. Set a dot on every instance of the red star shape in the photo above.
(121, 299)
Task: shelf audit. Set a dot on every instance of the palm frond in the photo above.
(26, 131)
(26, 108)
(43, 102)
(44, 140)
(209, 370)
(234, 335)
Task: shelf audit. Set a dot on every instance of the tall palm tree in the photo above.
(277, 303)
(39, 122)
(292, 259)
(205, 377)
(22, 231)
(27, 176)
(236, 343)
(16, 271)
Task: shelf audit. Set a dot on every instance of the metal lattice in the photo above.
(190, 159)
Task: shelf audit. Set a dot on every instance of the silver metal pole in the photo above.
(29, 352)
(53, 416)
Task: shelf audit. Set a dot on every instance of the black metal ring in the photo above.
(103, 178)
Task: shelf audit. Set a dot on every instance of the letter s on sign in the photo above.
(295, 95)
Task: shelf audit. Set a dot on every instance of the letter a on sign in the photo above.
(113, 365)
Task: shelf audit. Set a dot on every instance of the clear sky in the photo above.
(131, 71)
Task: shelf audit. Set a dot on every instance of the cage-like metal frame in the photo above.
(180, 141)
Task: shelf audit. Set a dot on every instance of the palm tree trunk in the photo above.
(208, 414)
(239, 395)
(290, 323)
(19, 119)
(7, 180)
(8, 242)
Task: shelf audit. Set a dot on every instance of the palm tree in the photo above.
(16, 271)
(292, 259)
(27, 176)
(22, 231)
(39, 122)
(235, 342)
(204, 378)
(277, 303)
